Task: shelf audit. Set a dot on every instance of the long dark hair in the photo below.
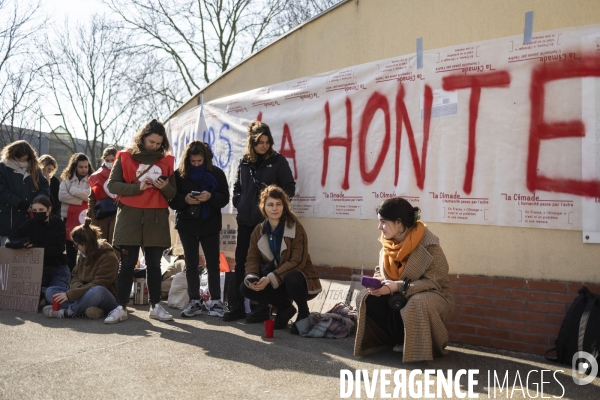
(275, 192)
(87, 235)
(19, 149)
(255, 130)
(195, 148)
(70, 169)
(148, 129)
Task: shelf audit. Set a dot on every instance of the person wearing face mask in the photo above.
(93, 285)
(49, 167)
(142, 176)
(260, 166)
(20, 181)
(202, 191)
(48, 232)
(99, 191)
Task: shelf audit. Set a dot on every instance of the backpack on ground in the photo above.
(580, 330)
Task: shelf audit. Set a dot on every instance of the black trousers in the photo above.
(293, 289)
(387, 319)
(129, 258)
(241, 252)
(71, 254)
(210, 245)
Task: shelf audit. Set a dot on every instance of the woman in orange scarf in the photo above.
(409, 252)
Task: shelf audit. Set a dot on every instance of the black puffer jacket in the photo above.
(50, 235)
(251, 179)
(195, 225)
(14, 190)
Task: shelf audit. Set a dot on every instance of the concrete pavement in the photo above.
(205, 358)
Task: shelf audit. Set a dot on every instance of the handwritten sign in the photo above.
(20, 279)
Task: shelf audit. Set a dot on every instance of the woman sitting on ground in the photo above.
(281, 238)
(94, 283)
(410, 251)
(47, 231)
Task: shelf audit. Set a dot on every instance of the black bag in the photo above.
(15, 243)
(580, 330)
(105, 208)
(267, 268)
(229, 289)
(398, 300)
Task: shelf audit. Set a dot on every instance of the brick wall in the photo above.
(506, 313)
(513, 314)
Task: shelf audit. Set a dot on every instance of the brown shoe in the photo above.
(94, 312)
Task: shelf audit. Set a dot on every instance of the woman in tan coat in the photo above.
(282, 240)
(409, 251)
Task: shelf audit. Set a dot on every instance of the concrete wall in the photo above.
(362, 31)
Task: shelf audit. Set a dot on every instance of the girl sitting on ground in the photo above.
(94, 282)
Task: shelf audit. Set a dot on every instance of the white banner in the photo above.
(485, 133)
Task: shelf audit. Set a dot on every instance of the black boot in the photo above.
(237, 312)
(260, 313)
(284, 314)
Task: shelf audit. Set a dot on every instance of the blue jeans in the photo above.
(96, 296)
(56, 276)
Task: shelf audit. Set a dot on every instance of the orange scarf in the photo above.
(398, 252)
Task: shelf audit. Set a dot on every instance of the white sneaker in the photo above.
(158, 312)
(48, 312)
(117, 315)
(399, 348)
(217, 309)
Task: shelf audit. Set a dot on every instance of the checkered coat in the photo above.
(430, 304)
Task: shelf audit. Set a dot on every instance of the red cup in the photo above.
(55, 305)
(269, 326)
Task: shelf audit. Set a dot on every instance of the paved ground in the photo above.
(205, 358)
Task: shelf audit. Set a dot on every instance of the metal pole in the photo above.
(40, 138)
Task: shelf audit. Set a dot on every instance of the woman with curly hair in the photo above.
(260, 166)
(73, 194)
(21, 180)
(142, 176)
(280, 241)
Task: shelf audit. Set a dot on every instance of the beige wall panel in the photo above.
(368, 30)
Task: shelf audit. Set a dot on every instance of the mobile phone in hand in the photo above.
(370, 282)
(164, 177)
(252, 279)
(195, 194)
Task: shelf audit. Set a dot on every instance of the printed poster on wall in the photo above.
(489, 133)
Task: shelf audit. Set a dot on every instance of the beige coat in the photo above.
(73, 191)
(430, 304)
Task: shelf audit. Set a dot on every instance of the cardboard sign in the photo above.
(21, 279)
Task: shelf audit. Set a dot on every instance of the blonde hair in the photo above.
(46, 160)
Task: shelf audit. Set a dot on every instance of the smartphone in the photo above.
(164, 177)
(369, 282)
(195, 194)
(252, 279)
